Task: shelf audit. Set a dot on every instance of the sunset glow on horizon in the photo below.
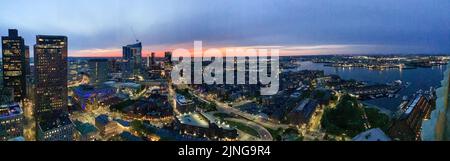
(308, 27)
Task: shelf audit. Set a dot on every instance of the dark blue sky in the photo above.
(101, 27)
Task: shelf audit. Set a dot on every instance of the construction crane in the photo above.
(134, 34)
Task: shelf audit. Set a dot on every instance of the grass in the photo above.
(222, 116)
(122, 105)
(276, 134)
(243, 128)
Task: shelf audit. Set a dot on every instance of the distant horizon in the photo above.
(395, 54)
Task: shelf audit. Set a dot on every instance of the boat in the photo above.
(419, 91)
(407, 84)
(405, 98)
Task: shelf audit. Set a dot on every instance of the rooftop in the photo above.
(182, 100)
(85, 128)
(20, 138)
(375, 134)
(130, 137)
(410, 106)
(302, 105)
(52, 121)
(193, 119)
(122, 122)
(10, 110)
(102, 119)
(87, 90)
(137, 45)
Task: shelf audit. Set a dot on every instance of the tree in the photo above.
(377, 119)
(346, 118)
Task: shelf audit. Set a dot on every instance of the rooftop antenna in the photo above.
(134, 34)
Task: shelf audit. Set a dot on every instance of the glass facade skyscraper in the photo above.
(132, 60)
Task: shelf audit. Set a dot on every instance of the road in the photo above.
(224, 108)
(263, 133)
(30, 122)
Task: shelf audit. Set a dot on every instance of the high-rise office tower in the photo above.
(99, 69)
(168, 56)
(148, 61)
(15, 64)
(132, 60)
(27, 61)
(153, 61)
(50, 59)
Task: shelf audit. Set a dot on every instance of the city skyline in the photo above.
(101, 28)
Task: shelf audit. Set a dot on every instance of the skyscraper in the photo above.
(15, 64)
(50, 58)
(168, 56)
(153, 61)
(99, 70)
(132, 57)
(27, 61)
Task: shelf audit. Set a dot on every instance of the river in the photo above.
(419, 78)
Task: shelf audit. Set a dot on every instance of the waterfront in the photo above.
(419, 78)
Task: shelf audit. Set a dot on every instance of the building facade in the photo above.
(50, 59)
(132, 60)
(437, 128)
(408, 126)
(99, 70)
(15, 55)
(11, 121)
(55, 127)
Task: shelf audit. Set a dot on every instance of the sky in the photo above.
(297, 27)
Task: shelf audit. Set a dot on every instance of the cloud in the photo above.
(419, 26)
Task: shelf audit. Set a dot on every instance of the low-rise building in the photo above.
(184, 104)
(127, 136)
(55, 127)
(107, 126)
(303, 112)
(89, 97)
(198, 125)
(85, 131)
(375, 134)
(409, 123)
(11, 116)
(11, 121)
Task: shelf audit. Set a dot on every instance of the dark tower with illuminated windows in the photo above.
(15, 66)
(50, 59)
(132, 57)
